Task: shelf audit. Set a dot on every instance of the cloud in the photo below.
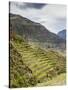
(52, 16)
(34, 5)
(54, 25)
(28, 5)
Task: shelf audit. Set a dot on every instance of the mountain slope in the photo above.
(62, 34)
(36, 65)
(20, 74)
(58, 80)
(35, 32)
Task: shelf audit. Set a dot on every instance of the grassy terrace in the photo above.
(58, 80)
(43, 65)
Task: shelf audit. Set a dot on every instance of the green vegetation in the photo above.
(20, 74)
(58, 80)
(29, 66)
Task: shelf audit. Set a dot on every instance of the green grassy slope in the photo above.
(42, 65)
(20, 73)
(58, 80)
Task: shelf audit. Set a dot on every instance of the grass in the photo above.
(20, 73)
(58, 80)
(29, 65)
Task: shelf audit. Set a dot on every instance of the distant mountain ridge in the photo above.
(62, 34)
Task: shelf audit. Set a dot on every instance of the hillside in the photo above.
(20, 73)
(58, 80)
(35, 33)
(29, 66)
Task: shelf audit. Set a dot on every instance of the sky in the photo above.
(51, 16)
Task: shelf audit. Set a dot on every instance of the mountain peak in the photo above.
(62, 34)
